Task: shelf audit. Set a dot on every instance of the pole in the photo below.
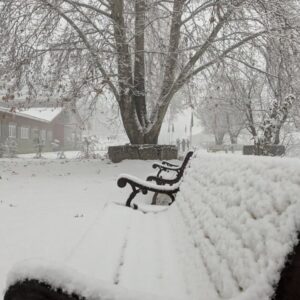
(191, 128)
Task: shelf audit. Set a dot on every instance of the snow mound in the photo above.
(243, 215)
(71, 282)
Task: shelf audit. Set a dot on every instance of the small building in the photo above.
(46, 124)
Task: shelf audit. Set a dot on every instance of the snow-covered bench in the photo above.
(156, 184)
(229, 235)
(166, 166)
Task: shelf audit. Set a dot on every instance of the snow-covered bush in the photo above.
(243, 214)
(273, 122)
(89, 147)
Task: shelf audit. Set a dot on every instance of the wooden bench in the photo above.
(232, 233)
(161, 185)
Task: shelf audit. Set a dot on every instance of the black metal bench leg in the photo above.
(172, 196)
(132, 195)
(154, 199)
(159, 172)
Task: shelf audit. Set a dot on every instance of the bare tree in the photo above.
(213, 116)
(218, 113)
(141, 51)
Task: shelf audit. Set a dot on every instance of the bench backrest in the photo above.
(243, 215)
(185, 162)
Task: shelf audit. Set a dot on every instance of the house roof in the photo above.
(42, 114)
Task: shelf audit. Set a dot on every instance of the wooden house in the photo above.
(45, 124)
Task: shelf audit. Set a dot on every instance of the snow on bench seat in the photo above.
(72, 282)
(227, 236)
(140, 253)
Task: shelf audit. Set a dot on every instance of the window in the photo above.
(49, 135)
(12, 130)
(24, 133)
(34, 133)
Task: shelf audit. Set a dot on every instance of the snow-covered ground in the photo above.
(47, 206)
(226, 237)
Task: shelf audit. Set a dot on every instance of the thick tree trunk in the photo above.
(277, 137)
(219, 137)
(278, 129)
(233, 138)
(132, 100)
(167, 89)
(139, 63)
(136, 133)
(136, 137)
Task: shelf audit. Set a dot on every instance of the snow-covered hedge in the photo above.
(243, 215)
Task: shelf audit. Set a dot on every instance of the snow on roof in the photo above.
(46, 114)
(43, 114)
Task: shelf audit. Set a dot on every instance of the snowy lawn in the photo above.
(48, 206)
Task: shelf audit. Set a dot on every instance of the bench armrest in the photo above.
(123, 179)
(166, 163)
(139, 185)
(162, 181)
(162, 167)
